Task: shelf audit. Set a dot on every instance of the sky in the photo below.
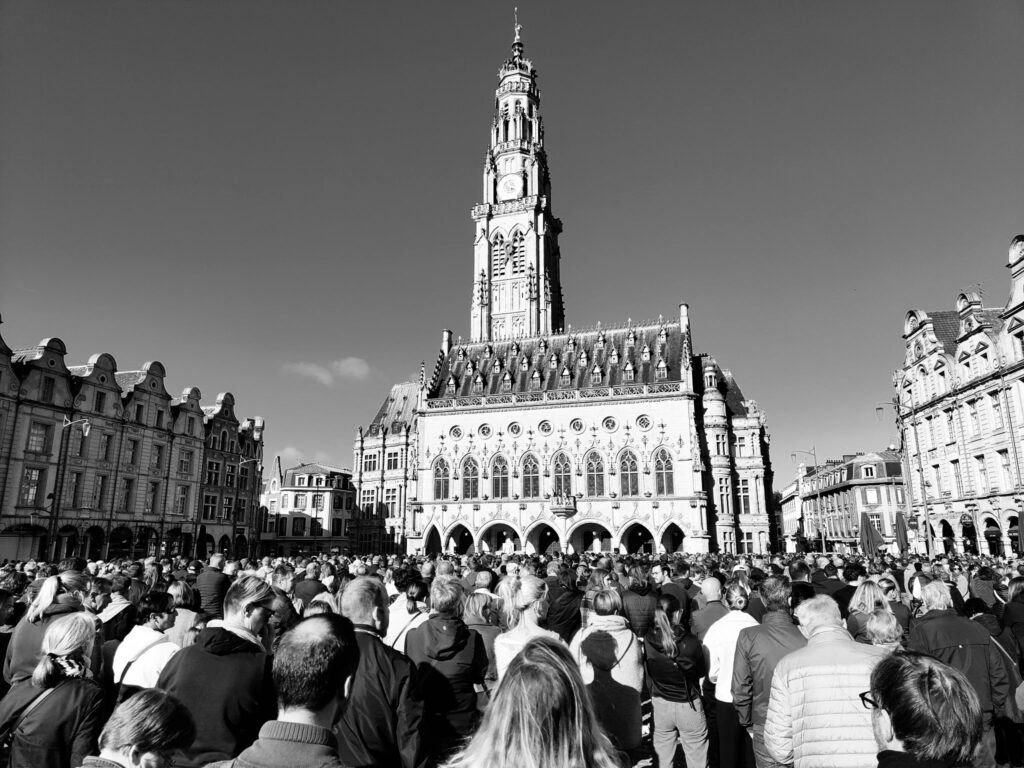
(272, 197)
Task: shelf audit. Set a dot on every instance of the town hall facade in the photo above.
(530, 437)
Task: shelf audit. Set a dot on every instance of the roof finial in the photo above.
(518, 27)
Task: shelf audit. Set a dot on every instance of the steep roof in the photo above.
(608, 352)
(946, 325)
(312, 468)
(127, 380)
(398, 408)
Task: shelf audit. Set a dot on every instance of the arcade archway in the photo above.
(948, 539)
(146, 542)
(459, 541)
(224, 545)
(636, 539)
(590, 537)
(672, 538)
(67, 542)
(432, 542)
(120, 543)
(92, 544)
(992, 537)
(542, 540)
(500, 537)
(970, 536)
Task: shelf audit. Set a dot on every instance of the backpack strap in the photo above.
(124, 672)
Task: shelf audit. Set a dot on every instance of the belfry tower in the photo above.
(517, 290)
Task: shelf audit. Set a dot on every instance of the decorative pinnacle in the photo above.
(516, 25)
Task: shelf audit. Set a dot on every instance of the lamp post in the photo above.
(819, 526)
(908, 490)
(58, 490)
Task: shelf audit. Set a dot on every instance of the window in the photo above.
(450, 387)
(392, 460)
(227, 507)
(185, 462)
(741, 446)
(563, 476)
(318, 501)
(99, 492)
(336, 527)
(595, 376)
(931, 431)
(99, 402)
(284, 501)
(746, 543)
(181, 500)
(131, 453)
(478, 385)
(153, 498)
(870, 496)
(506, 382)
(629, 477)
(73, 492)
(191, 425)
(391, 501)
(282, 526)
(867, 472)
(958, 479)
(721, 445)
(499, 478)
(39, 436)
(368, 499)
(950, 426)
(31, 486)
(127, 498)
(1004, 466)
(595, 475)
(470, 479)
(628, 374)
(663, 479)
(159, 419)
(566, 378)
(77, 445)
(661, 372)
(441, 481)
(370, 462)
(209, 506)
(997, 410)
(48, 384)
(230, 474)
(158, 457)
(974, 420)
(213, 473)
(982, 469)
(299, 526)
(531, 478)
(300, 501)
(723, 496)
(744, 496)
(535, 380)
(140, 414)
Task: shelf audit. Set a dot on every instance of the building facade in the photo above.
(530, 435)
(106, 463)
(309, 509)
(824, 505)
(959, 398)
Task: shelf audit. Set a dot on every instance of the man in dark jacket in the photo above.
(212, 586)
(639, 602)
(450, 661)
(313, 673)
(664, 585)
(382, 724)
(225, 678)
(563, 614)
(758, 650)
(967, 646)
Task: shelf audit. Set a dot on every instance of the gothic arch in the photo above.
(507, 523)
(431, 539)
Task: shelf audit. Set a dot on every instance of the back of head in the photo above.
(362, 598)
(735, 595)
(416, 592)
(776, 592)
(637, 577)
(313, 661)
(154, 603)
(798, 571)
(711, 588)
(608, 602)
(529, 591)
(244, 592)
(150, 721)
(216, 560)
(935, 596)
(854, 571)
(597, 579)
(445, 568)
(71, 564)
(446, 597)
(868, 597)
(933, 709)
(819, 612)
(883, 628)
(66, 649)
(182, 593)
(56, 589)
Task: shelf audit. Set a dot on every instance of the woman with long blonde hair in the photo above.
(529, 606)
(540, 717)
(867, 598)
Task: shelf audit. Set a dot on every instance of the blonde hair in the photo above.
(883, 628)
(53, 588)
(540, 717)
(529, 590)
(72, 636)
(869, 597)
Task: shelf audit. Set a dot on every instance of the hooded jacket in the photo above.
(450, 659)
(639, 604)
(224, 680)
(564, 613)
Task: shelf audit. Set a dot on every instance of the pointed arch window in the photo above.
(470, 479)
(562, 476)
(450, 387)
(531, 478)
(629, 477)
(506, 382)
(499, 478)
(628, 373)
(478, 385)
(566, 378)
(442, 482)
(663, 479)
(595, 475)
(517, 253)
(498, 257)
(661, 372)
(595, 375)
(535, 380)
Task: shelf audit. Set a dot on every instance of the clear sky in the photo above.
(272, 198)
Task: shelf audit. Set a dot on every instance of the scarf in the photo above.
(69, 666)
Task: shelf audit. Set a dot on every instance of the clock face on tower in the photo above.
(510, 186)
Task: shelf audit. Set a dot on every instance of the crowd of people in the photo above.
(513, 661)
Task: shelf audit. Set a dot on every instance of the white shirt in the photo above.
(720, 642)
(401, 623)
(149, 651)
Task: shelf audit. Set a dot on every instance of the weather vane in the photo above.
(518, 26)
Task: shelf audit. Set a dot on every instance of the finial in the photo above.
(517, 26)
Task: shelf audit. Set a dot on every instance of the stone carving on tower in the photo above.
(516, 254)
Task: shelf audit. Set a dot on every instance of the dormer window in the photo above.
(478, 385)
(628, 374)
(506, 382)
(461, 354)
(554, 362)
(566, 378)
(631, 339)
(450, 388)
(613, 358)
(661, 372)
(645, 353)
(583, 360)
(535, 380)
(595, 375)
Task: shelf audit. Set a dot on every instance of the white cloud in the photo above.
(290, 456)
(346, 368)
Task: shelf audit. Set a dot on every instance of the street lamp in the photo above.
(817, 506)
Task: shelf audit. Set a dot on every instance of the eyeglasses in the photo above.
(868, 701)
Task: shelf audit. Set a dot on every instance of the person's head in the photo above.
(99, 595)
(120, 585)
(313, 667)
(66, 649)
(283, 577)
(157, 611)
(854, 573)
(935, 596)
(599, 579)
(1016, 589)
(427, 570)
(637, 577)
(182, 593)
(530, 595)
(818, 613)
(735, 595)
(868, 597)
(249, 603)
(883, 628)
(711, 589)
(70, 587)
(482, 580)
(216, 560)
(540, 716)
(71, 564)
(446, 597)
(659, 574)
(146, 729)
(799, 571)
(416, 594)
(925, 708)
(365, 601)
(608, 602)
(890, 588)
(776, 593)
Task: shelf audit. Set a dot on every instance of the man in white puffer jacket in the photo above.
(815, 715)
